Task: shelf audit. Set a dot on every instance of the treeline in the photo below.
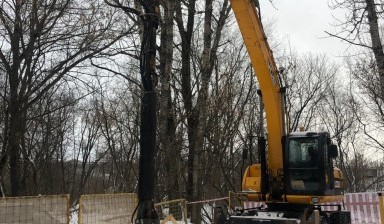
(70, 100)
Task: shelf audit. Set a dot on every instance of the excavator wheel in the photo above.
(337, 217)
(323, 220)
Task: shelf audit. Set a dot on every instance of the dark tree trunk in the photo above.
(186, 43)
(146, 210)
(167, 127)
(377, 47)
(15, 133)
(15, 107)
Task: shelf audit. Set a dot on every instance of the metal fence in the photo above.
(172, 210)
(107, 208)
(367, 207)
(35, 210)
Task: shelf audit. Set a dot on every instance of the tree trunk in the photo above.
(186, 91)
(376, 43)
(201, 117)
(146, 210)
(16, 126)
(15, 134)
(167, 128)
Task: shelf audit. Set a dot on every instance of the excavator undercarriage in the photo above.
(243, 211)
(288, 213)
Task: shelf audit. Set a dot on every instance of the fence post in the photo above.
(381, 204)
(80, 211)
(185, 211)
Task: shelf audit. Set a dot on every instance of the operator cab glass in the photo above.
(303, 164)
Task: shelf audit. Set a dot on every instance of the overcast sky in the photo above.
(303, 22)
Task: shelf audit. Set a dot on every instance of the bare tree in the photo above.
(307, 79)
(361, 27)
(43, 42)
(119, 121)
(48, 122)
(197, 114)
(167, 114)
(339, 114)
(148, 124)
(186, 32)
(231, 119)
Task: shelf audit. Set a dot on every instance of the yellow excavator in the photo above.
(295, 176)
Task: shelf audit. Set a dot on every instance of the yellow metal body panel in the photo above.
(252, 182)
(252, 185)
(306, 199)
(252, 178)
(267, 75)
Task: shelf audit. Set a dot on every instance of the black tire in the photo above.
(323, 220)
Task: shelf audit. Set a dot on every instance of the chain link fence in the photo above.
(107, 208)
(177, 209)
(35, 210)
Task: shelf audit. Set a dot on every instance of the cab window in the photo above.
(303, 164)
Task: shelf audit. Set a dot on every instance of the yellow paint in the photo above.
(252, 178)
(306, 199)
(267, 75)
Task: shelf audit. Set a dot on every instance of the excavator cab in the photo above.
(309, 182)
(309, 176)
(308, 168)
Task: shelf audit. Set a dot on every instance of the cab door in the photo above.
(303, 170)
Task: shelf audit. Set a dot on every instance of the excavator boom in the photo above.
(264, 66)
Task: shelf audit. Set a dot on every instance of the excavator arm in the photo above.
(247, 16)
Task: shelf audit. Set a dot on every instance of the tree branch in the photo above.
(126, 9)
(348, 41)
